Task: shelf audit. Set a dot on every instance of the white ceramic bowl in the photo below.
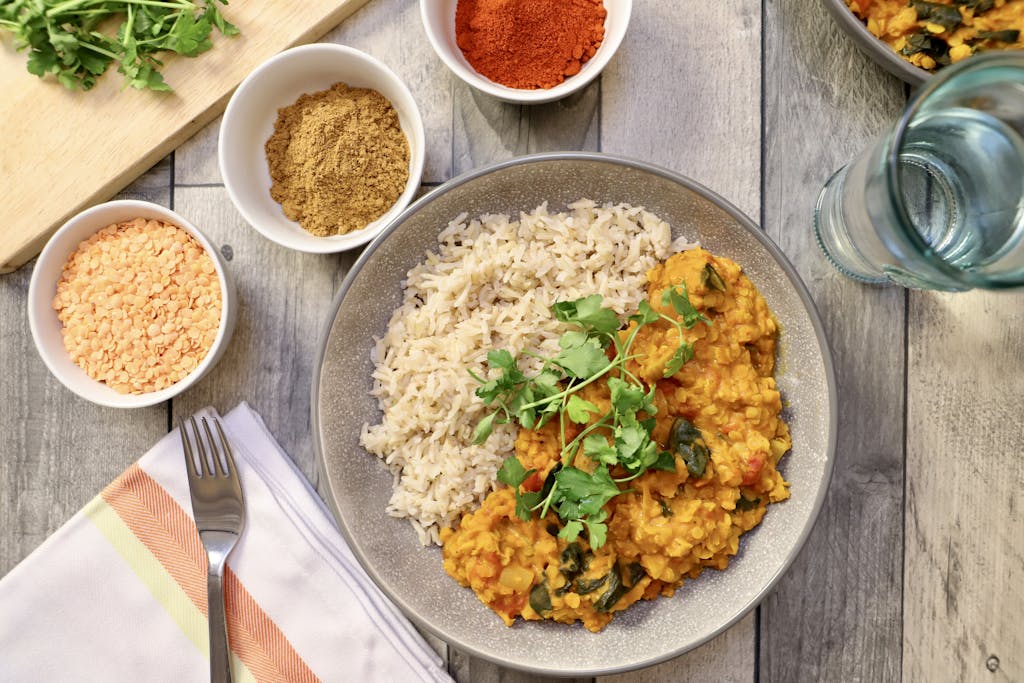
(46, 327)
(249, 121)
(439, 22)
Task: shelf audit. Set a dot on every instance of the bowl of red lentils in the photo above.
(526, 52)
(130, 304)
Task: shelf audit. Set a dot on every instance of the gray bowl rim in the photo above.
(599, 157)
(883, 55)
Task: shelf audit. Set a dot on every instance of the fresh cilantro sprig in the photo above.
(62, 37)
(617, 438)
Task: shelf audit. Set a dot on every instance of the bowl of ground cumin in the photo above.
(130, 304)
(320, 147)
(526, 51)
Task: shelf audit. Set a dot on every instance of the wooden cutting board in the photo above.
(62, 151)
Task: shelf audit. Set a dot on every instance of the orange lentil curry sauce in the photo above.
(668, 526)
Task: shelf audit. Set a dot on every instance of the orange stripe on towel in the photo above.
(170, 534)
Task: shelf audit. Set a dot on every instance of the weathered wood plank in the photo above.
(729, 658)
(60, 450)
(836, 614)
(284, 296)
(964, 569)
(683, 91)
(487, 130)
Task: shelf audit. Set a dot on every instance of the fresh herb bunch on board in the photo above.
(71, 38)
(592, 351)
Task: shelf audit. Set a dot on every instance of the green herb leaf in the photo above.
(588, 314)
(512, 473)
(571, 531)
(579, 494)
(645, 314)
(483, 429)
(616, 589)
(583, 360)
(64, 40)
(710, 278)
(666, 462)
(686, 440)
(680, 300)
(978, 6)
(579, 410)
(1011, 35)
(683, 354)
(743, 503)
(540, 598)
(597, 448)
(946, 16)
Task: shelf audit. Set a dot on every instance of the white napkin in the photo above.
(118, 593)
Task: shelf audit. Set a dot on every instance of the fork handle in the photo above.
(220, 657)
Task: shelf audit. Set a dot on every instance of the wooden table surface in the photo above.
(915, 570)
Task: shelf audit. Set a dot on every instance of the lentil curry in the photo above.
(719, 416)
(935, 33)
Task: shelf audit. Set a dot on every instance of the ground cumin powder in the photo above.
(338, 159)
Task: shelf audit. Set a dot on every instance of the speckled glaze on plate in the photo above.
(878, 50)
(358, 485)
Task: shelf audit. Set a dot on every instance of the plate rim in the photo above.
(741, 218)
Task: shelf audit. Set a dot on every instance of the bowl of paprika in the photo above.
(526, 52)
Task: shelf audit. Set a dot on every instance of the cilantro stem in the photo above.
(97, 48)
(72, 4)
(574, 388)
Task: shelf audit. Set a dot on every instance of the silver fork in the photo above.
(219, 511)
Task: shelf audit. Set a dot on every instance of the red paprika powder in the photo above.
(529, 44)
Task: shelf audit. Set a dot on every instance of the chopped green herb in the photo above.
(936, 48)
(540, 598)
(743, 503)
(978, 6)
(62, 37)
(686, 440)
(584, 586)
(666, 511)
(946, 16)
(616, 438)
(710, 278)
(1011, 35)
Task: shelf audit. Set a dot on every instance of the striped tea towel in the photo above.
(119, 592)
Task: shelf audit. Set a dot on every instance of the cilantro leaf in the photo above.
(683, 354)
(578, 493)
(597, 448)
(588, 314)
(65, 38)
(681, 304)
(645, 314)
(571, 531)
(584, 360)
(512, 472)
(483, 429)
(579, 409)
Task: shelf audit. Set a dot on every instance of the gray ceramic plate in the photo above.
(884, 55)
(358, 485)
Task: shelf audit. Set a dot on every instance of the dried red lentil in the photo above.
(140, 305)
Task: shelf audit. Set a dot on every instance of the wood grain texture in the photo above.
(114, 135)
(964, 570)
(836, 615)
(684, 93)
